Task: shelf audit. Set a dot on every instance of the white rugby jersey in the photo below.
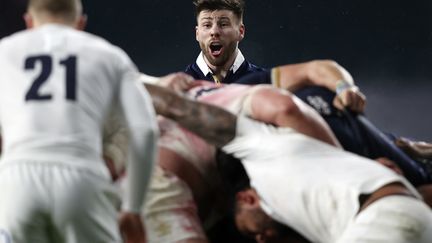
(304, 183)
(57, 86)
(188, 145)
(230, 97)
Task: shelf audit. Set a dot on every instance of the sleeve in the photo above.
(147, 79)
(115, 134)
(240, 146)
(140, 119)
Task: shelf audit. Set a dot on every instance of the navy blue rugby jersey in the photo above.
(244, 69)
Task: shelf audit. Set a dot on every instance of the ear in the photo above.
(196, 33)
(28, 20)
(249, 198)
(81, 23)
(242, 31)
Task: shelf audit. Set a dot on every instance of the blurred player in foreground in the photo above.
(57, 86)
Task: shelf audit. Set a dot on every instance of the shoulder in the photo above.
(191, 68)
(254, 77)
(101, 50)
(252, 67)
(98, 43)
(194, 71)
(246, 69)
(13, 39)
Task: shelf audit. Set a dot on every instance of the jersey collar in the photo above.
(206, 70)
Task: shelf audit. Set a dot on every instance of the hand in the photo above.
(327, 73)
(352, 99)
(178, 82)
(111, 167)
(416, 149)
(131, 228)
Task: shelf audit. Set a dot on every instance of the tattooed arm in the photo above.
(215, 125)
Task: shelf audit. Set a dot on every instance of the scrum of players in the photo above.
(237, 153)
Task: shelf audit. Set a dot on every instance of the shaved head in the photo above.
(68, 10)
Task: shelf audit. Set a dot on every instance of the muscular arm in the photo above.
(324, 73)
(213, 124)
(278, 107)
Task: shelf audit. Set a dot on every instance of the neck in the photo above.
(42, 22)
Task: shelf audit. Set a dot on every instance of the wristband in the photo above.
(343, 85)
(275, 77)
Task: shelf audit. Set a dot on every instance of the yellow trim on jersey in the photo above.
(216, 80)
(275, 77)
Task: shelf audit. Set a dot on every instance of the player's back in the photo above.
(56, 87)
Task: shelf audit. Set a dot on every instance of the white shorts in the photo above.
(50, 202)
(170, 212)
(395, 219)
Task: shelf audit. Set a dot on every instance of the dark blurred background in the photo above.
(386, 45)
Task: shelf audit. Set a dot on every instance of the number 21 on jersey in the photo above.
(46, 62)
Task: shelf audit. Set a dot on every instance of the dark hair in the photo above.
(232, 172)
(234, 179)
(236, 6)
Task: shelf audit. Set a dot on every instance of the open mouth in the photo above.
(215, 49)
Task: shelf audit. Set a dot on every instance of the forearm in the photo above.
(323, 73)
(213, 124)
(290, 77)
